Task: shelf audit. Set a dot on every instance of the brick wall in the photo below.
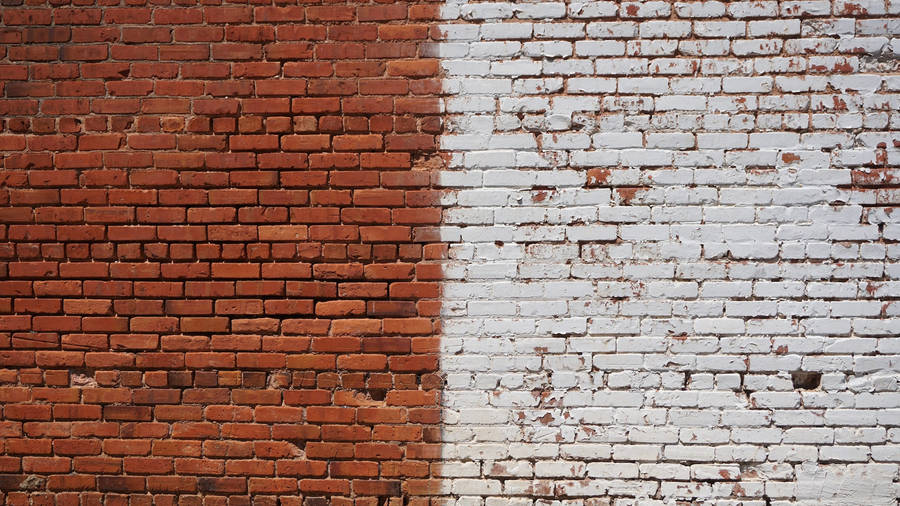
(656, 239)
(673, 262)
(217, 279)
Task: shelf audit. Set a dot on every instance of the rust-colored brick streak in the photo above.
(218, 280)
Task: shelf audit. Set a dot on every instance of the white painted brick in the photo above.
(550, 49)
(655, 219)
(592, 9)
(727, 29)
(703, 9)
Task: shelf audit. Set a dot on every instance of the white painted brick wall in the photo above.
(657, 212)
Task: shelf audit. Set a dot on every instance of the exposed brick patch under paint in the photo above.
(218, 280)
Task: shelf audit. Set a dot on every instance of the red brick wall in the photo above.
(216, 280)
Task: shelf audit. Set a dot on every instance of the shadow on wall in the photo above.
(221, 275)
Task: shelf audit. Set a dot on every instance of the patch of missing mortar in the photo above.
(806, 380)
(83, 379)
(32, 483)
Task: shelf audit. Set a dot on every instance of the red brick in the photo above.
(222, 485)
(215, 262)
(310, 468)
(311, 486)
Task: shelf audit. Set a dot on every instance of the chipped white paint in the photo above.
(654, 220)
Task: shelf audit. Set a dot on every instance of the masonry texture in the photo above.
(450, 253)
(217, 279)
(673, 264)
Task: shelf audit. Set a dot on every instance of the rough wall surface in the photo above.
(671, 274)
(210, 287)
(659, 211)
